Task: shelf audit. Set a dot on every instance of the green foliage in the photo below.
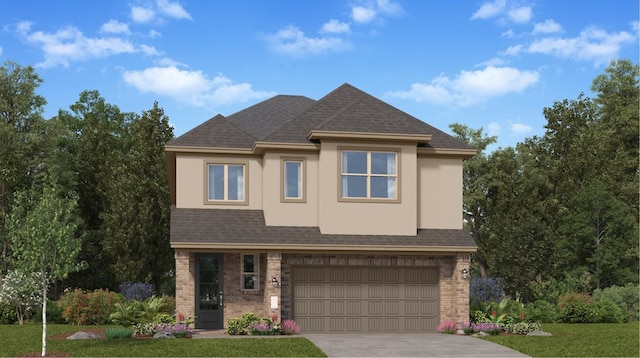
(608, 312)
(118, 332)
(7, 314)
(88, 308)
(153, 310)
(627, 298)
(541, 311)
(246, 324)
(54, 313)
(577, 307)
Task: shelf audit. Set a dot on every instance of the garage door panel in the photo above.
(329, 299)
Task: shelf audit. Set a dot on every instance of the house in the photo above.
(344, 214)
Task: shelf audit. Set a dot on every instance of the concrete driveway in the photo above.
(408, 345)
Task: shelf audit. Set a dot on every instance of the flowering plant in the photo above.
(178, 330)
(261, 329)
(289, 327)
(447, 326)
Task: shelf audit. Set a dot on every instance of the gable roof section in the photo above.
(291, 119)
(234, 229)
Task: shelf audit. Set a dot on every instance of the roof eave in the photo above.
(405, 249)
(394, 137)
(447, 152)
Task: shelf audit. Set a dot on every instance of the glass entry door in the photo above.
(209, 291)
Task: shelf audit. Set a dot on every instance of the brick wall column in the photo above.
(185, 283)
(461, 288)
(274, 269)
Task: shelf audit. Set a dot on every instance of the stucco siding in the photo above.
(439, 193)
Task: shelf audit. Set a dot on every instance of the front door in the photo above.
(209, 291)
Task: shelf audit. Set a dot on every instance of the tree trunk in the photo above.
(44, 318)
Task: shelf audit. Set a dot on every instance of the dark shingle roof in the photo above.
(220, 226)
(216, 132)
(290, 119)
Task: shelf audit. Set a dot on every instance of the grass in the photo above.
(18, 340)
(578, 340)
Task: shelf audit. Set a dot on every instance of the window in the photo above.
(293, 186)
(225, 182)
(369, 175)
(249, 272)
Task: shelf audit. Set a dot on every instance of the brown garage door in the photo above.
(365, 299)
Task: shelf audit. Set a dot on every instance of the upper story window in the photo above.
(250, 272)
(293, 182)
(225, 183)
(369, 175)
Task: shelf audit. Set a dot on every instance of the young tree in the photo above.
(21, 291)
(42, 228)
(20, 144)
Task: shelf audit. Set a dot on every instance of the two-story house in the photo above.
(344, 214)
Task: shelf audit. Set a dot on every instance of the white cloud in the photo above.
(520, 129)
(547, 27)
(470, 87)
(69, 44)
(489, 9)
(0, 50)
(162, 8)
(513, 50)
(115, 27)
(192, 87)
(150, 50)
(593, 44)
(292, 41)
(335, 27)
(153, 34)
(173, 10)
(142, 14)
(498, 9)
(362, 14)
(520, 15)
(367, 12)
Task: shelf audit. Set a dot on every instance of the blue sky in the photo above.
(493, 64)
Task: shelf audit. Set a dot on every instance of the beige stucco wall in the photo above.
(440, 193)
(190, 181)
(366, 218)
(279, 213)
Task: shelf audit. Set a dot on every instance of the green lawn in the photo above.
(578, 340)
(18, 340)
(568, 340)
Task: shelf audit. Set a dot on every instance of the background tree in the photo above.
(136, 222)
(21, 145)
(42, 228)
(475, 190)
(96, 136)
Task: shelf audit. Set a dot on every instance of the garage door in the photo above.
(365, 299)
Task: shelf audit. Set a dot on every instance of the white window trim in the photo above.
(256, 274)
(245, 183)
(368, 175)
(303, 180)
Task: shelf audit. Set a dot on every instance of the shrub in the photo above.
(447, 326)
(478, 316)
(576, 307)
(487, 327)
(7, 314)
(235, 327)
(608, 312)
(88, 308)
(118, 332)
(261, 329)
(627, 298)
(541, 311)
(143, 329)
(289, 327)
(521, 327)
(138, 291)
(54, 313)
(485, 289)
